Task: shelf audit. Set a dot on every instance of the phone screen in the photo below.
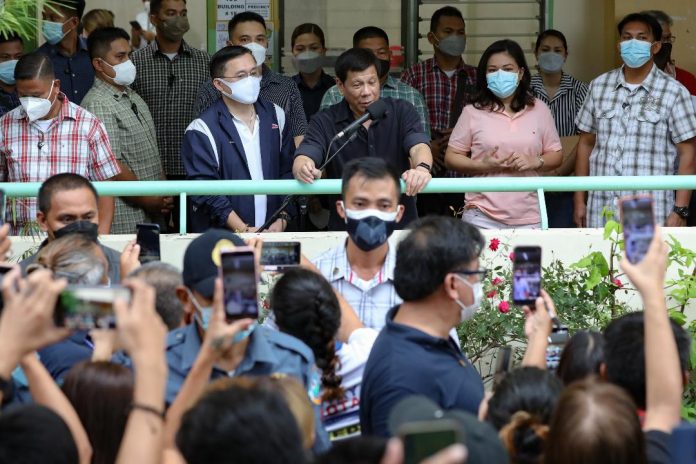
(239, 284)
(423, 439)
(557, 341)
(526, 275)
(503, 364)
(638, 226)
(89, 307)
(148, 238)
(280, 254)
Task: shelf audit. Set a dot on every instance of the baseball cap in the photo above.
(481, 439)
(202, 259)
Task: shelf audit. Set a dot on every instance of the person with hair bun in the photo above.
(306, 307)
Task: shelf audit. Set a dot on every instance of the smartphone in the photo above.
(503, 364)
(238, 272)
(136, 25)
(86, 307)
(148, 237)
(526, 275)
(557, 341)
(2, 207)
(279, 255)
(638, 226)
(424, 438)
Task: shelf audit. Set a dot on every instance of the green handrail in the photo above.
(333, 186)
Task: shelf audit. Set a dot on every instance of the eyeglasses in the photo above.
(669, 39)
(482, 273)
(241, 76)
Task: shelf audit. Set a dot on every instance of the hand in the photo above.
(648, 275)
(580, 214)
(5, 243)
(492, 163)
(537, 322)
(130, 259)
(674, 220)
(416, 179)
(520, 162)
(167, 205)
(158, 205)
(105, 344)
(278, 225)
(304, 169)
(256, 244)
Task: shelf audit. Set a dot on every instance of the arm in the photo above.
(687, 167)
(156, 205)
(310, 154)
(582, 168)
(106, 207)
(538, 327)
(460, 161)
(296, 116)
(104, 166)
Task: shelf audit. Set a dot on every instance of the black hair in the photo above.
(100, 40)
(444, 11)
(361, 449)
(370, 168)
(10, 37)
(245, 17)
(237, 424)
(34, 434)
(369, 32)
(551, 33)
(485, 99)
(156, 6)
(647, 19)
(355, 60)
(305, 306)
(34, 66)
(223, 56)
(308, 28)
(625, 353)
(72, 7)
(164, 278)
(582, 356)
(436, 246)
(60, 183)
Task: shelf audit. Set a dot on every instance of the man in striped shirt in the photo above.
(48, 135)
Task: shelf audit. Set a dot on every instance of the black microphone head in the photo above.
(377, 109)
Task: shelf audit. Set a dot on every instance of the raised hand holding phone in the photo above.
(638, 223)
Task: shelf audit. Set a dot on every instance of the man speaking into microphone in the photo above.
(392, 130)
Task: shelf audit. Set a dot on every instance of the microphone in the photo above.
(373, 112)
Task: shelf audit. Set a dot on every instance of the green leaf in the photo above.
(678, 317)
(611, 227)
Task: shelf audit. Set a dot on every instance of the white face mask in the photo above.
(244, 91)
(37, 108)
(125, 72)
(467, 312)
(258, 51)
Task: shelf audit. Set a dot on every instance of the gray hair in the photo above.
(74, 257)
(164, 278)
(661, 16)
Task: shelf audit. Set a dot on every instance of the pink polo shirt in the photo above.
(531, 131)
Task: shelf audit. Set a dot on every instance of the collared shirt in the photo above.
(133, 140)
(252, 150)
(565, 104)
(8, 102)
(438, 89)
(75, 141)
(406, 361)
(275, 88)
(389, 138)
(392, 88)
(311, 96)
(169, 88)
(372, 299)
(75, 72)
(636, 134)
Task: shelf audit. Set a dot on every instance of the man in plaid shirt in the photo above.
(636, 121)
(48, 135)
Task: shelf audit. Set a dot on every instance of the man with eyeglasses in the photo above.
(438, 277)
(240, 137)
(129, 124)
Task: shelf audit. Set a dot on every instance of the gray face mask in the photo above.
(551, 62)
(307, 62)
(452, 45)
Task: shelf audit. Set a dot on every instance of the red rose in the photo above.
(497, 281)
(504, 307)
(512, 256)
(495, 243)
(617, 282)
(492, 293)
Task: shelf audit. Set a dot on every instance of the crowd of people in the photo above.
(96, 101)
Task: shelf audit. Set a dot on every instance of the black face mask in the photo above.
(383, 68)
(87, 228)
(664, 56)
(370, 232)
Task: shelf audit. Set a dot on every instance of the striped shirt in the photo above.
(275, 88)
(636, 134)
(392, 88)
(565, 104)
(169, 88)
(75, 141)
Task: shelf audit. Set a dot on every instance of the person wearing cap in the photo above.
(438, 277)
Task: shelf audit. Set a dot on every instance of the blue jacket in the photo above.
(213, 150)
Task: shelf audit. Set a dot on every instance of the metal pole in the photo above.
(409, 31)
(542, 209)
(183, 214)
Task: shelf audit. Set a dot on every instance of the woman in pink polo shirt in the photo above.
(505, 133)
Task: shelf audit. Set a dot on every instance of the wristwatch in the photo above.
(425, 165)
(682, 211)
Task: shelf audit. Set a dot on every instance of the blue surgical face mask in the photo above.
(203, 313)
(635, 53)
(53, 32)
(7, 69)
(502, 83)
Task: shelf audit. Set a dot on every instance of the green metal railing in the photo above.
(333, 186)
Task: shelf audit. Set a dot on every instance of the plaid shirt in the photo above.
(438, 89)
(392, 88)
(371, 300)
(275, 88)
(636, 134)
(133, 140)
(169, 87)
(76, 142)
